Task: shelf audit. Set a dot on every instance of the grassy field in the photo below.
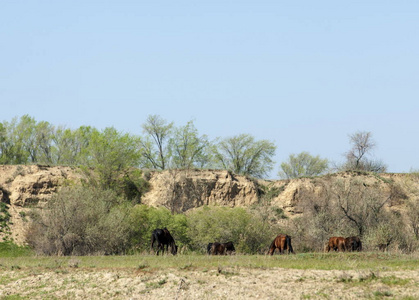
(365, 275)
(304, 261)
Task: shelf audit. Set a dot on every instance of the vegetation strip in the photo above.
(315, 261)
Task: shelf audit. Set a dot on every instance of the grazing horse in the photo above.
(281, 242)
(220, 248)
(209, 246)
(353, 243)
(336, 243)
(229, 246)
(163, 239)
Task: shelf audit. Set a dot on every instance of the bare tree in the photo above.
(360, 204)
(413, 216)
(362, 146)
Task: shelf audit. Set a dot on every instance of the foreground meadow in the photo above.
(300, 276)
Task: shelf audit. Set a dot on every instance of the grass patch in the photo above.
(393, 280)
(13, 297)
(9, 249)
(155, 285)
(382, 294)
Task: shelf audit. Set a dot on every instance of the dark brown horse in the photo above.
(209, 247)
(353, 243)
(163, 239)
(229, 246)
(336, 243)
(282, 242)
(220, 248)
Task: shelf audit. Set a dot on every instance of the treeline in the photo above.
(166, 146)
(162, 146)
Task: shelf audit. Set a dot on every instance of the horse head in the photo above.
(174, 248)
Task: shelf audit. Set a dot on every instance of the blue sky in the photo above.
(302, 74)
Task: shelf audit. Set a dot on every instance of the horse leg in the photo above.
(152, 244)
(160, 247)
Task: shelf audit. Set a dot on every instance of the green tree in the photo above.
(25, 132)
(25, 140)
(243, 155)
(5, 145)
(189, 149)
(67, 146)
(155, 151)
(13, 145)
(111, 153)
(303, 164)
(44, 136)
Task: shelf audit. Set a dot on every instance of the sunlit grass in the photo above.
(8, 249)
(319, 261)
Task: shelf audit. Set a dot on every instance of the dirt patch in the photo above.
(228, 283)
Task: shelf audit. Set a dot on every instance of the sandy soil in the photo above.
(232, 283)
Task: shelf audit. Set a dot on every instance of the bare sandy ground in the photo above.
(229, 283)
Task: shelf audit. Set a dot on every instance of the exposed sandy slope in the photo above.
(232, 283)
(25, 188)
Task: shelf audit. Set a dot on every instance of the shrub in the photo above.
(249, 232)
(80, 221)
(144, 219)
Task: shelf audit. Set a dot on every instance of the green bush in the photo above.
(248, 231)
(144, 219)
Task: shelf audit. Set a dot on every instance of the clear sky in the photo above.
(302, 74)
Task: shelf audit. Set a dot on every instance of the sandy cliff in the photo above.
(23, 188)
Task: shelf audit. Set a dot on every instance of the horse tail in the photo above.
(288, 243)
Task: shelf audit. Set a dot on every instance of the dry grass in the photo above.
(301, 276)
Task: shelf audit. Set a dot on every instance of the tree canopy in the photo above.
(303, 164)
(242, 154)
(164, 146)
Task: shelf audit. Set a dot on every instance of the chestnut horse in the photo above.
(336, 243)
(282, 242)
